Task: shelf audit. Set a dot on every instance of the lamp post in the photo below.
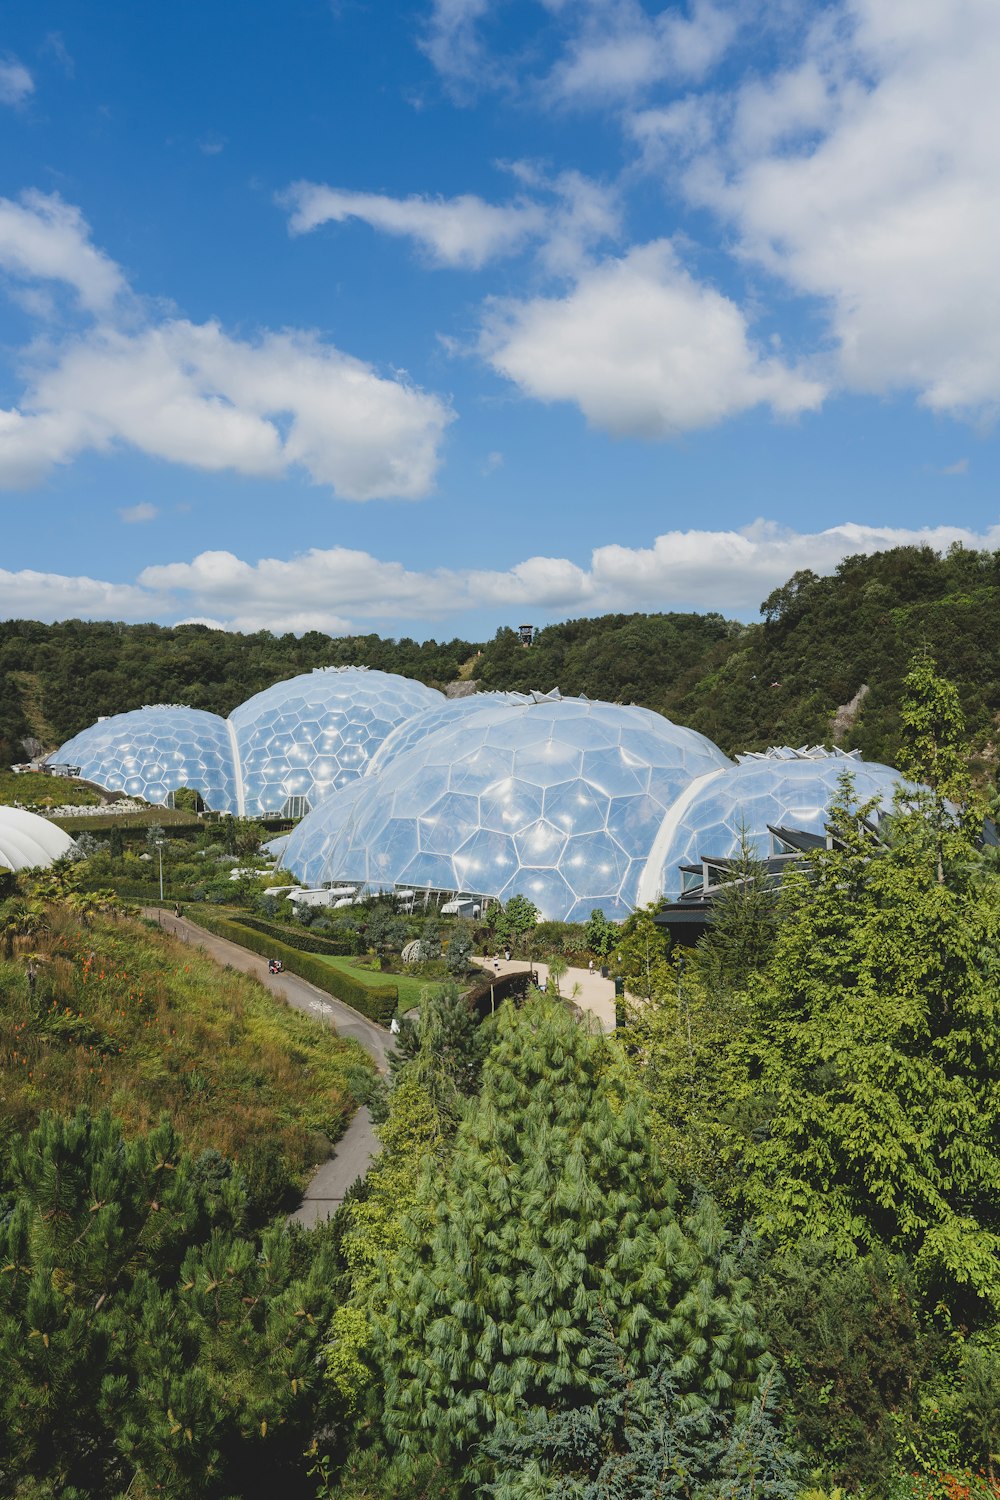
(159, 846)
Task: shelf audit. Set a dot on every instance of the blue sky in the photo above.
(426, 318)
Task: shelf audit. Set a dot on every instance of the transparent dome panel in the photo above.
(152, 752)
(327, 724)
(770, 791)
(552, 798)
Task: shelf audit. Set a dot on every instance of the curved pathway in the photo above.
(585, 987)
(299, 993)
(357, 1147)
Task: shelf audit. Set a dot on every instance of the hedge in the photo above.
(377, 1002)
(298, 937)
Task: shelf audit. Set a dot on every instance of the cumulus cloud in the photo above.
(44, 239)
(643, 349)
(866, 174)
(340, 589)
(194, 395)
(31, 595)
(464, 231)
(16, 83)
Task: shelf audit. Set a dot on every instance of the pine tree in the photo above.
(136, 1340)
(553, 1216)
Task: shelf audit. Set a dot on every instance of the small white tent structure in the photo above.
(27, 841)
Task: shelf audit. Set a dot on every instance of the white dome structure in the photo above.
(28, 842)
(152, 752)
(559, 799)
(777, 788)
(300, 740)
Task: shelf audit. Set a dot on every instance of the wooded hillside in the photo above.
(820, 641)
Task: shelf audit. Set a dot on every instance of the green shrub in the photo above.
(147, 892)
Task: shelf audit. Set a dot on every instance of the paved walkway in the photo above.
(587, 990)
(358, 1146)
(356, 1150)
(299, 993)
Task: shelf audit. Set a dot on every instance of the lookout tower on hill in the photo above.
(526, 633)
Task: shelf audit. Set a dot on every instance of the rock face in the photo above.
(462, 689)
(846, 716)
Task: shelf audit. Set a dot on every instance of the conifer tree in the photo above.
(136, 1344)
(933, 751)
(553, 1216)
(634, 1439)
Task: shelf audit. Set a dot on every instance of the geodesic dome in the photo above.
(781, 788)
(439, 716)
(28, 841)
(307, 736)
(151, 752)
(558, 800)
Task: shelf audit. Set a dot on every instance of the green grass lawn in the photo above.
(33, 789)
(410, 990)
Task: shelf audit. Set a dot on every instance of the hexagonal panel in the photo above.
(151, 752)
(327, 724)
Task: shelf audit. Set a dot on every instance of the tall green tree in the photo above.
(553, 1216)
(874, 1061)
(934, 752)
(643, 956)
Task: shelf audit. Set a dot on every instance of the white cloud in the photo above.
(135, 515)
(867, 175)
(643, 349)
(566, 215)
(339, 589)
(192, 394)
(451, 40)
(621, 49)
(16, 83)
(464, 231)
(30, 595)
(44, 239)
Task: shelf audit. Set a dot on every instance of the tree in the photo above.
(745, 916)
(384, 932)
(458, 952)
(600, 935)
(511, 923)
(642, 954)
(146, 1344)
(934, 753)
(874, 1053)
(635, 1439)
(553, 1216)
(430, 939)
